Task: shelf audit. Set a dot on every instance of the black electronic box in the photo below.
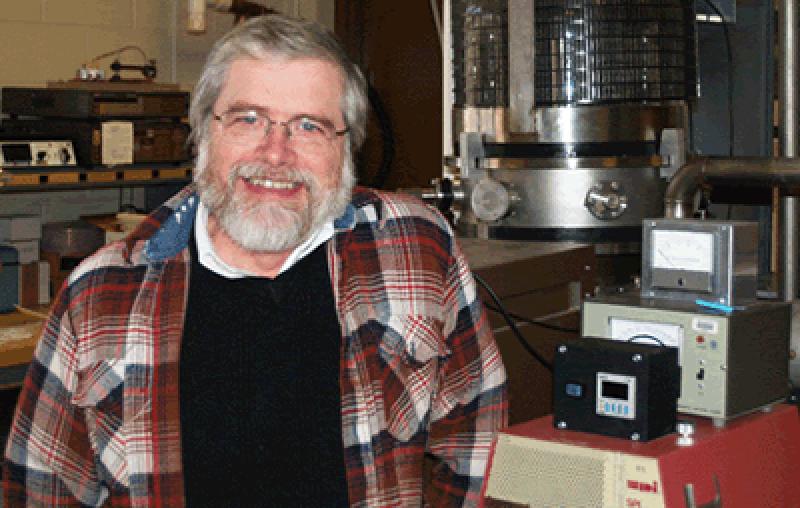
(614, 388)
(77, 103)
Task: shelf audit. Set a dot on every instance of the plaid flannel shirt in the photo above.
(98, 418)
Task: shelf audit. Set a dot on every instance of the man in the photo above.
(284, 340)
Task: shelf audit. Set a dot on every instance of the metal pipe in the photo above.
(447, 80)
(755, 171)
(787, 21)
(780, 172)
(787, 27)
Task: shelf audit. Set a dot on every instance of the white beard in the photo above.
(272, 227)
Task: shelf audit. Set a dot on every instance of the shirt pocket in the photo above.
(411, 349)
(100, 393)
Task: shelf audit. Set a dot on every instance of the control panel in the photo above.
(619, 389)
(731, 363)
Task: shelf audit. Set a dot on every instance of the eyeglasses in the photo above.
(249, 126)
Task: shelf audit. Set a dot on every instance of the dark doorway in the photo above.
(397, 47)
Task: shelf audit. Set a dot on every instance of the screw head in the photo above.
(637, 357)
(561, 425)
(635, 436)
(562, 349)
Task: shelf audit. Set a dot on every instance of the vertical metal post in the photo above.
(521, 70)
(787, 29)
(447, 79)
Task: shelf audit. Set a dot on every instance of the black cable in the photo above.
(511, 324)
(690, 121)
(535, 322)
(387, 135)
(731, 134)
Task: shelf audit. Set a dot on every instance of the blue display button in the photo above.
(574, 390)
(608, 407)
(625, 410)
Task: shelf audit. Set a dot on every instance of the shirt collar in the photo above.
(209, 258)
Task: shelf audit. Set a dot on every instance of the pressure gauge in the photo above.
(683, 250)
(709, 260)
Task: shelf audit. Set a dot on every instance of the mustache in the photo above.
(267, 172)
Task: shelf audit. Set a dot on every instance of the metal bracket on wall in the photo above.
(470, 150)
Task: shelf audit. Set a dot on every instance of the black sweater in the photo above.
(259, 389)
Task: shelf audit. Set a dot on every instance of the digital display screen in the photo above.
(17, 152)
(613, 390)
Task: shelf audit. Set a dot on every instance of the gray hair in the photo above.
(280, 36)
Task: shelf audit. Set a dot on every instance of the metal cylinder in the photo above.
(480, 53)
(787, 21)
(569, 99)
(590, 52)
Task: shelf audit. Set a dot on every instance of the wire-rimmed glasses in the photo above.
(250, 126)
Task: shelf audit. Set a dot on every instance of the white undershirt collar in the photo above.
(211, 260)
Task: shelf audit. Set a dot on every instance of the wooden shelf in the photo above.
(31, 178)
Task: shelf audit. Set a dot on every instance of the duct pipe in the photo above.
(787, 29)
(755, 171)
(783, 172)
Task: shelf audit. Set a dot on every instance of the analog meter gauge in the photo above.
(683, 250)
(706, 261)
(682, 260)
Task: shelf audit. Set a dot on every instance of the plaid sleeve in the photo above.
(470, 404)
(49, 459)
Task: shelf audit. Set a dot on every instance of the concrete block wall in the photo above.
(191, 49)
(48, 40)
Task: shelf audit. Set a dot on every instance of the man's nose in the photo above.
(276, 144)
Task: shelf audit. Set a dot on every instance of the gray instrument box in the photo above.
(691, 259)
(731, 363)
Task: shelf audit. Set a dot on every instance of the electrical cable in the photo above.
(729, 51)
(729, 59)
(535, 322)
(118, 52)
(511, 323)
(387, 135)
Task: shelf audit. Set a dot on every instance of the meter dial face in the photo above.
(647, 332)
(683, 250)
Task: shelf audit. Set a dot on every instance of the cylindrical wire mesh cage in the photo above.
(607, 51)
(480, 52)
(587, 51)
